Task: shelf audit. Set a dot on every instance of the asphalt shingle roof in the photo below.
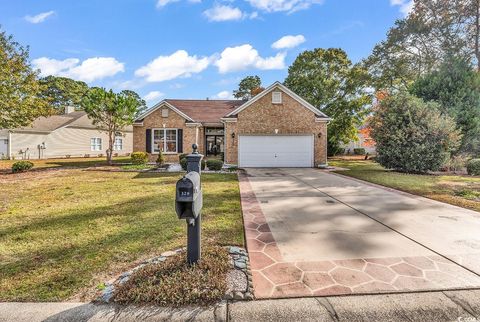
(207, 111)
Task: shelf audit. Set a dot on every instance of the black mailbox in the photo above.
(189, 198)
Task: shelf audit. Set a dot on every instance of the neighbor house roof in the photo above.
(51, 123)
(78, 119)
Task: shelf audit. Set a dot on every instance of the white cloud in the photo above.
(178, 64)
(223, 95)
(41, 17)
(153, 96)
(89, 70)
(245, 56)
(163, 3)
(226, 13)
(223, 13)
(283, 5)
(288, 42)
(406, 6)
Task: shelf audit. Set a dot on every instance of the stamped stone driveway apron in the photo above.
(312, 233)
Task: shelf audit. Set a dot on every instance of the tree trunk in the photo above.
(110, 146)
(477, 32)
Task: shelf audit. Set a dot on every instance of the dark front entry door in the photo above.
(214, 144)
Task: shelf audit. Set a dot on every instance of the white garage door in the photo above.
(275, 151)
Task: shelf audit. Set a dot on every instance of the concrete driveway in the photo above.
(310, 232)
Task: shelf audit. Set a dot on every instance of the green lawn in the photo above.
(463, 191)
(64, 232)
(57, 163)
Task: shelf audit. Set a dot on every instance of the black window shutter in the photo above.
(148, 142)
(180, 140)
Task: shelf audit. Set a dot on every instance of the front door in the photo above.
(214, 139)
(214, 144)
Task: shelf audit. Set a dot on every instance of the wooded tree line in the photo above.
(429, 61)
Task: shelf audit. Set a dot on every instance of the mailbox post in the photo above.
(189, 203)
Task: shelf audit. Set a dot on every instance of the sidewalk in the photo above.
(428, 306)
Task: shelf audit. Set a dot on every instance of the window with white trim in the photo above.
(118, 144)
(164, 140)
(277, 97)
(96, 144)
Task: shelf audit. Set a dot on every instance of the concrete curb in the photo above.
(425, 306)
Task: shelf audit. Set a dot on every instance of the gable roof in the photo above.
(284, 88)
(77, 119)
(51, 123)
(208, 111)
(213, 111)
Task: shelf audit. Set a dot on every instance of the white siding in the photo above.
(74, 142)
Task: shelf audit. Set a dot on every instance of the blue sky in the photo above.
(190, 48)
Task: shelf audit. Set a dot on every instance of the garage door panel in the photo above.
(276, 151)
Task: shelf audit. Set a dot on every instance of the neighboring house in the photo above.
(58, 136)
(364, 141)
(276, 128)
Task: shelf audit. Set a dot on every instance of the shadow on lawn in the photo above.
(143, 225)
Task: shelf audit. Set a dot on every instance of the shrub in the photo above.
(139, 157)
(473, 167)
(215, 165)
(456, 163)
(411, 135)
(359, 151)
(183, 163)
(182, 156)
(160, 158)
(21, 166)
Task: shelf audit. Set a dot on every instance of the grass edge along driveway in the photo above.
(64, 232)
(458, 190)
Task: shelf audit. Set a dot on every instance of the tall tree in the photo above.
(455, 86)
(20, 102)
(110, 112)
(62, 92)
(417, 44)
(247, 86)
(328, 80)
(142, 105)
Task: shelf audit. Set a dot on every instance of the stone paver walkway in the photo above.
(279, 276)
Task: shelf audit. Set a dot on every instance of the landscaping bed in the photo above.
(458, 190)
(63, 233)
(167, 280)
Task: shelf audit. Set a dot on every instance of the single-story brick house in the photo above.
(275, 128)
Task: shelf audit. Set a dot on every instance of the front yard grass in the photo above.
(463, 191)
(64, 232)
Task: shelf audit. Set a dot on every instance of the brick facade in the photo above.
(174, 120)
(260, 118)
(263, 118)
